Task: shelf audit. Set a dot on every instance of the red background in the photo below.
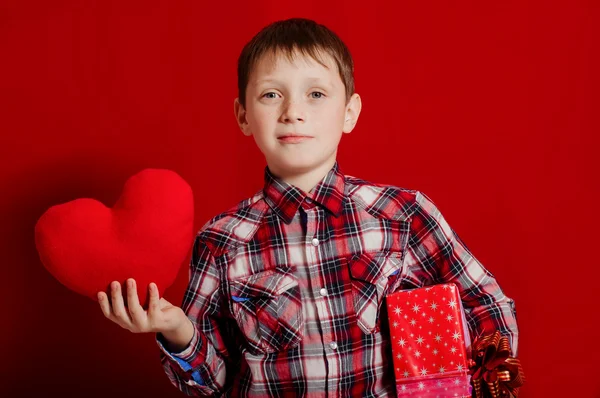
(490, 109)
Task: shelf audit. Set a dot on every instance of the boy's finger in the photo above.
(118, 308)
(133, 302)
(104, 305)
(153, 303)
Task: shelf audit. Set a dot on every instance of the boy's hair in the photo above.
(286, 36)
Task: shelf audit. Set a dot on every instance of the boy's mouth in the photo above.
(293, 138)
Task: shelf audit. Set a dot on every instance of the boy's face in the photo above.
(297, 111)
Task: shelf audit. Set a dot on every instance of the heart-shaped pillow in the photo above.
(146, 235)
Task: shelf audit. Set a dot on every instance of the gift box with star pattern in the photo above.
(430, 342)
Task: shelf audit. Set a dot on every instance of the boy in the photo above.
(286, 288)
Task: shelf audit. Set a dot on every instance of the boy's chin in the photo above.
(296, 166)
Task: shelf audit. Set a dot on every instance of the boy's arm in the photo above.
(436, 253)
(199, 369)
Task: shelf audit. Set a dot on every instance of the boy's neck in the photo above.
(306, 180)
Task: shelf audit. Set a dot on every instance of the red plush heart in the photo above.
(146, 235)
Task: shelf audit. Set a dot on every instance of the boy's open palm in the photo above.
(161, 315)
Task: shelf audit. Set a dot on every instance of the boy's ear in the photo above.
(352, 112)
(240, 117)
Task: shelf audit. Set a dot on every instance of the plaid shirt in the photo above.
(286, 289)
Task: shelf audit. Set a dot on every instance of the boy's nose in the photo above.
(292, 113)
(292, 119)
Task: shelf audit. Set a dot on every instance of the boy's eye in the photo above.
(273, 95)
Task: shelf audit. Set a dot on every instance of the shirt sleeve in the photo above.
(436, 253)
(200, 369)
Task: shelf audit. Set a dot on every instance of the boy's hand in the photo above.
(161, 316)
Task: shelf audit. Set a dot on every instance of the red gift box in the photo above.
(430, 342)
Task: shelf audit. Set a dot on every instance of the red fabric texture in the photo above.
(146, 235)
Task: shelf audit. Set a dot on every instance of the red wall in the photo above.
(490, 109)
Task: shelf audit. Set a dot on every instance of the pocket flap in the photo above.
(269, 283)
(371, 267)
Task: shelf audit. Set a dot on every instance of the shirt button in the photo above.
(315, 242)
(323, 292)
(333, 345)
(308, 200)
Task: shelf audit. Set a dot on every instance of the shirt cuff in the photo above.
(184, 359)
(188, 352)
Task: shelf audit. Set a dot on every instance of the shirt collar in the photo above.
(285, 198)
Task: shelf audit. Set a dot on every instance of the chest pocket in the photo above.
(373, 276)
(268, 309)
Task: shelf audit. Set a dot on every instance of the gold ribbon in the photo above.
(495, 374)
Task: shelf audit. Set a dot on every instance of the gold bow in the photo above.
(495, 374)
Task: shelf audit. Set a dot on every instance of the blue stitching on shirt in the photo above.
(395, 272)
(195, 375)
(239, 299)
(186, 366)
(197, 378)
